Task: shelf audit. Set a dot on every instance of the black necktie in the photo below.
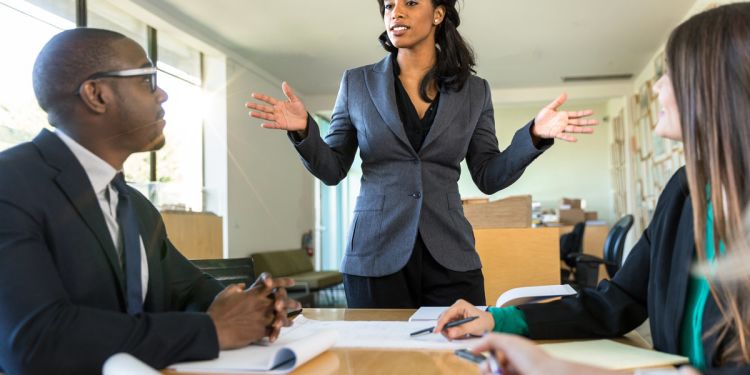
(131, 245)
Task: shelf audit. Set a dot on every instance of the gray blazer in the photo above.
(402, 190)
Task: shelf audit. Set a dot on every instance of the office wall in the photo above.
(565, 170)
(270, 194)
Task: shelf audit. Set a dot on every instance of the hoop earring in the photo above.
(437, 47)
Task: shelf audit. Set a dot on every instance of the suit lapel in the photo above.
(152, 242)
(74, 183)
(682, 259)
(449, 108)
(379, 81)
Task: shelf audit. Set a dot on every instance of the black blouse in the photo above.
(416, 128)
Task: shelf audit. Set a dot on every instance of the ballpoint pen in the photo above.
(448, 325)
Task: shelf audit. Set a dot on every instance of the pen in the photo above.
(449, 325)
(292, 313)
(495, 368)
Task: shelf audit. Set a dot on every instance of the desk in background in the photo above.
(197, 235)
(516, 257)
(594, 237)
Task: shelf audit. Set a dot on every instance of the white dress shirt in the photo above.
(100, 175)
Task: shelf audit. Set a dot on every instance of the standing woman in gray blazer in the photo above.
(415, 115)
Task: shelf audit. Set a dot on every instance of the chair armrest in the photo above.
(299, 285)
(586, 258)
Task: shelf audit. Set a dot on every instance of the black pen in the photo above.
(449, 325)
(292, 313)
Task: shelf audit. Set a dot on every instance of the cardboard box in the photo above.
(511, 212)
(572, 203)
(572, 216)
(591, 215)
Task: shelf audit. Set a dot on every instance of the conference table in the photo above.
(382, 361)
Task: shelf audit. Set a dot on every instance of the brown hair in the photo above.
(708, 57)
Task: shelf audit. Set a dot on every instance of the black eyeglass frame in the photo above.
(126, 73)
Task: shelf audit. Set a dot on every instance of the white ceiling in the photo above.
(522, 43)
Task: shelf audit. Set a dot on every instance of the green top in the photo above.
(509, 320)
(691, 331)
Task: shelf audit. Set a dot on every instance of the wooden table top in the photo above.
(379, 361)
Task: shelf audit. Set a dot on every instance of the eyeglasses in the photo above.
(149, 72)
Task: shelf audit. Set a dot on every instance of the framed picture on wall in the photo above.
(643, 97)
(660, 147)
(644, 137)
(659, 65)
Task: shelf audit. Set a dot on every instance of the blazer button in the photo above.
(416, 195)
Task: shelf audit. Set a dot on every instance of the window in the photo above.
(180, 162)
(20, 116)
(173, 176)
(336, 206)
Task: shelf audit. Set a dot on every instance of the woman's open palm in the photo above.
(550, 122)
(289, 114)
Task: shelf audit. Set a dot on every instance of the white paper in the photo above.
(382, 334)
(518, 296)
(611, 355)
(293, 348)
(431, 313)
(126, 364)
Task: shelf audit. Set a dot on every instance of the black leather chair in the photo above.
(614, 247)
(571, 245)
(228, 271)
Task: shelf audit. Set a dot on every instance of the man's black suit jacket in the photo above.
(652, 284)
(62, 303)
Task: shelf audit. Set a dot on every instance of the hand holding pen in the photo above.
(462, 310)
(454, 323)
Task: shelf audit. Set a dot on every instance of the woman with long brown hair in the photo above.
(705, 99)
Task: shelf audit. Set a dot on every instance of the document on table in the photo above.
(611, 355)
(382, 334)
(293, 348)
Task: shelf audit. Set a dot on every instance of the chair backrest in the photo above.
(615, 244)
(228, 271)
(283, 262)
(571, 243)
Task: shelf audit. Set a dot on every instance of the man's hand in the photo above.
(281, 302)
(242, 317)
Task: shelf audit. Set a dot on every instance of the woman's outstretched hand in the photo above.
(551, 123)
(289, 114)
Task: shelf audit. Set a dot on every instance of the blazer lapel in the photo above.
(379, 81)
(449, 108)
(152, 242)
(74, 182)
(682, 259)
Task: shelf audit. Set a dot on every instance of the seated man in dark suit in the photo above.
(86, 268)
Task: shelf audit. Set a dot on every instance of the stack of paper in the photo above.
(611, 355)
(293, 348)
(431, 313)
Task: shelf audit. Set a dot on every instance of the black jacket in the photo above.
(62, 305)
(652, 284)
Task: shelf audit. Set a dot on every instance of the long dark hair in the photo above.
(708, 57)
(455, 60)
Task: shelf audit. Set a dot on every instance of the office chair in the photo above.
(613, 251)
(571, 245)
